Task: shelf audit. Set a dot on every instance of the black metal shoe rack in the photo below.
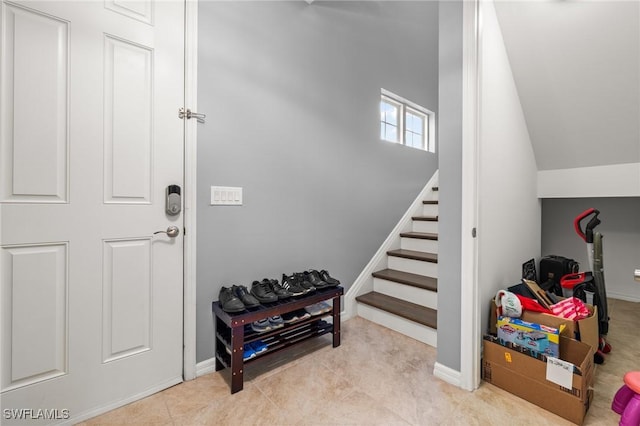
(231, 336)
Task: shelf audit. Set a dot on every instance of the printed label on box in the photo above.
(560, 372)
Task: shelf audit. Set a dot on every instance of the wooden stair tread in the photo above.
(430, 202)
(415, 255)
(426, 218)
(414, 280)
(420, 235)
(411, 311)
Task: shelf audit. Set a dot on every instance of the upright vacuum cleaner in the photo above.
(594, 291)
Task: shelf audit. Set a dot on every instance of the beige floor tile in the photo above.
(304, 387)
(356, 408)
(148, 411)
(248, 407)
(194, 395)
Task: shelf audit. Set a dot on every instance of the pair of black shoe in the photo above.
(236, 299)
(296, 284)
(320, 279)
(331, 282)
(301, 283)
(269, 291)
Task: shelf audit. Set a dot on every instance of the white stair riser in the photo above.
(428, 269)
(425, 226)
(404, 326)
(430, 209)
(409, 293)
(419, 244)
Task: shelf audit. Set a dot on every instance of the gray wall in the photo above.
(291, 93)
(450, 177)
(621, 230)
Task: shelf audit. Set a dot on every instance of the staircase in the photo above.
(405, 293)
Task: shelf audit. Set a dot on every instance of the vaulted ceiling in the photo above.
(576, 65)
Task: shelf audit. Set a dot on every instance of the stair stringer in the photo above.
(364, 283)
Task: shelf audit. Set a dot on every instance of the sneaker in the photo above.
(262, 291)
(290, 317)
(278, 289)
(291, 284)
(248, 352)
(261, 326)
(324, 307)
(313, 277)
(328, 278)
(276, 321)
(303, 282)
(303, 315)
(229, 301)
(259, 346)
(314, 309)
(295, 316)
(243, 294)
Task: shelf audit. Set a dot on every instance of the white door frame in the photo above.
(190, 188)
(470, 333)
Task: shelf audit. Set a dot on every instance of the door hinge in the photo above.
(188, 114)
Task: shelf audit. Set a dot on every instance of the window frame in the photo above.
(400, 126)
(406, 106)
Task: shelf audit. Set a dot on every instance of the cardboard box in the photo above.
(525, 376)
(586, 330)
(536, 337)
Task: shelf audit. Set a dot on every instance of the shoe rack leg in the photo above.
(237, 363)
(336, 322)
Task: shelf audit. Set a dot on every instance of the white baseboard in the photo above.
(205, 367)
(624, 297)
(447, 374)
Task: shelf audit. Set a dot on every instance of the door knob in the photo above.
(171, 231)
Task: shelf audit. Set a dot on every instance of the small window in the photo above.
(390, 120)
(406, 123)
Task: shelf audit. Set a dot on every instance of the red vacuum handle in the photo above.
(577, 224)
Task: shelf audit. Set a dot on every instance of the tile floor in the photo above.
(376, 377)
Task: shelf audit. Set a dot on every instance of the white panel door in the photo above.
(91, 299)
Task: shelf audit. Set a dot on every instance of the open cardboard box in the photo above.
(586, 330)
(525, 376)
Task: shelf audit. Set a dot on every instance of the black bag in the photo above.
(552, 268)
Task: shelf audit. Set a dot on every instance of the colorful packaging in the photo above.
(537, 338)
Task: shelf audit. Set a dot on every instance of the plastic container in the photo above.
(569, 281)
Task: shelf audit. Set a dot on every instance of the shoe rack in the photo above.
(231, 335)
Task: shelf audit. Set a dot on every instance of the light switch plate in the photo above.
(226, 196)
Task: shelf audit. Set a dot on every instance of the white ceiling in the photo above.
(577, 68)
